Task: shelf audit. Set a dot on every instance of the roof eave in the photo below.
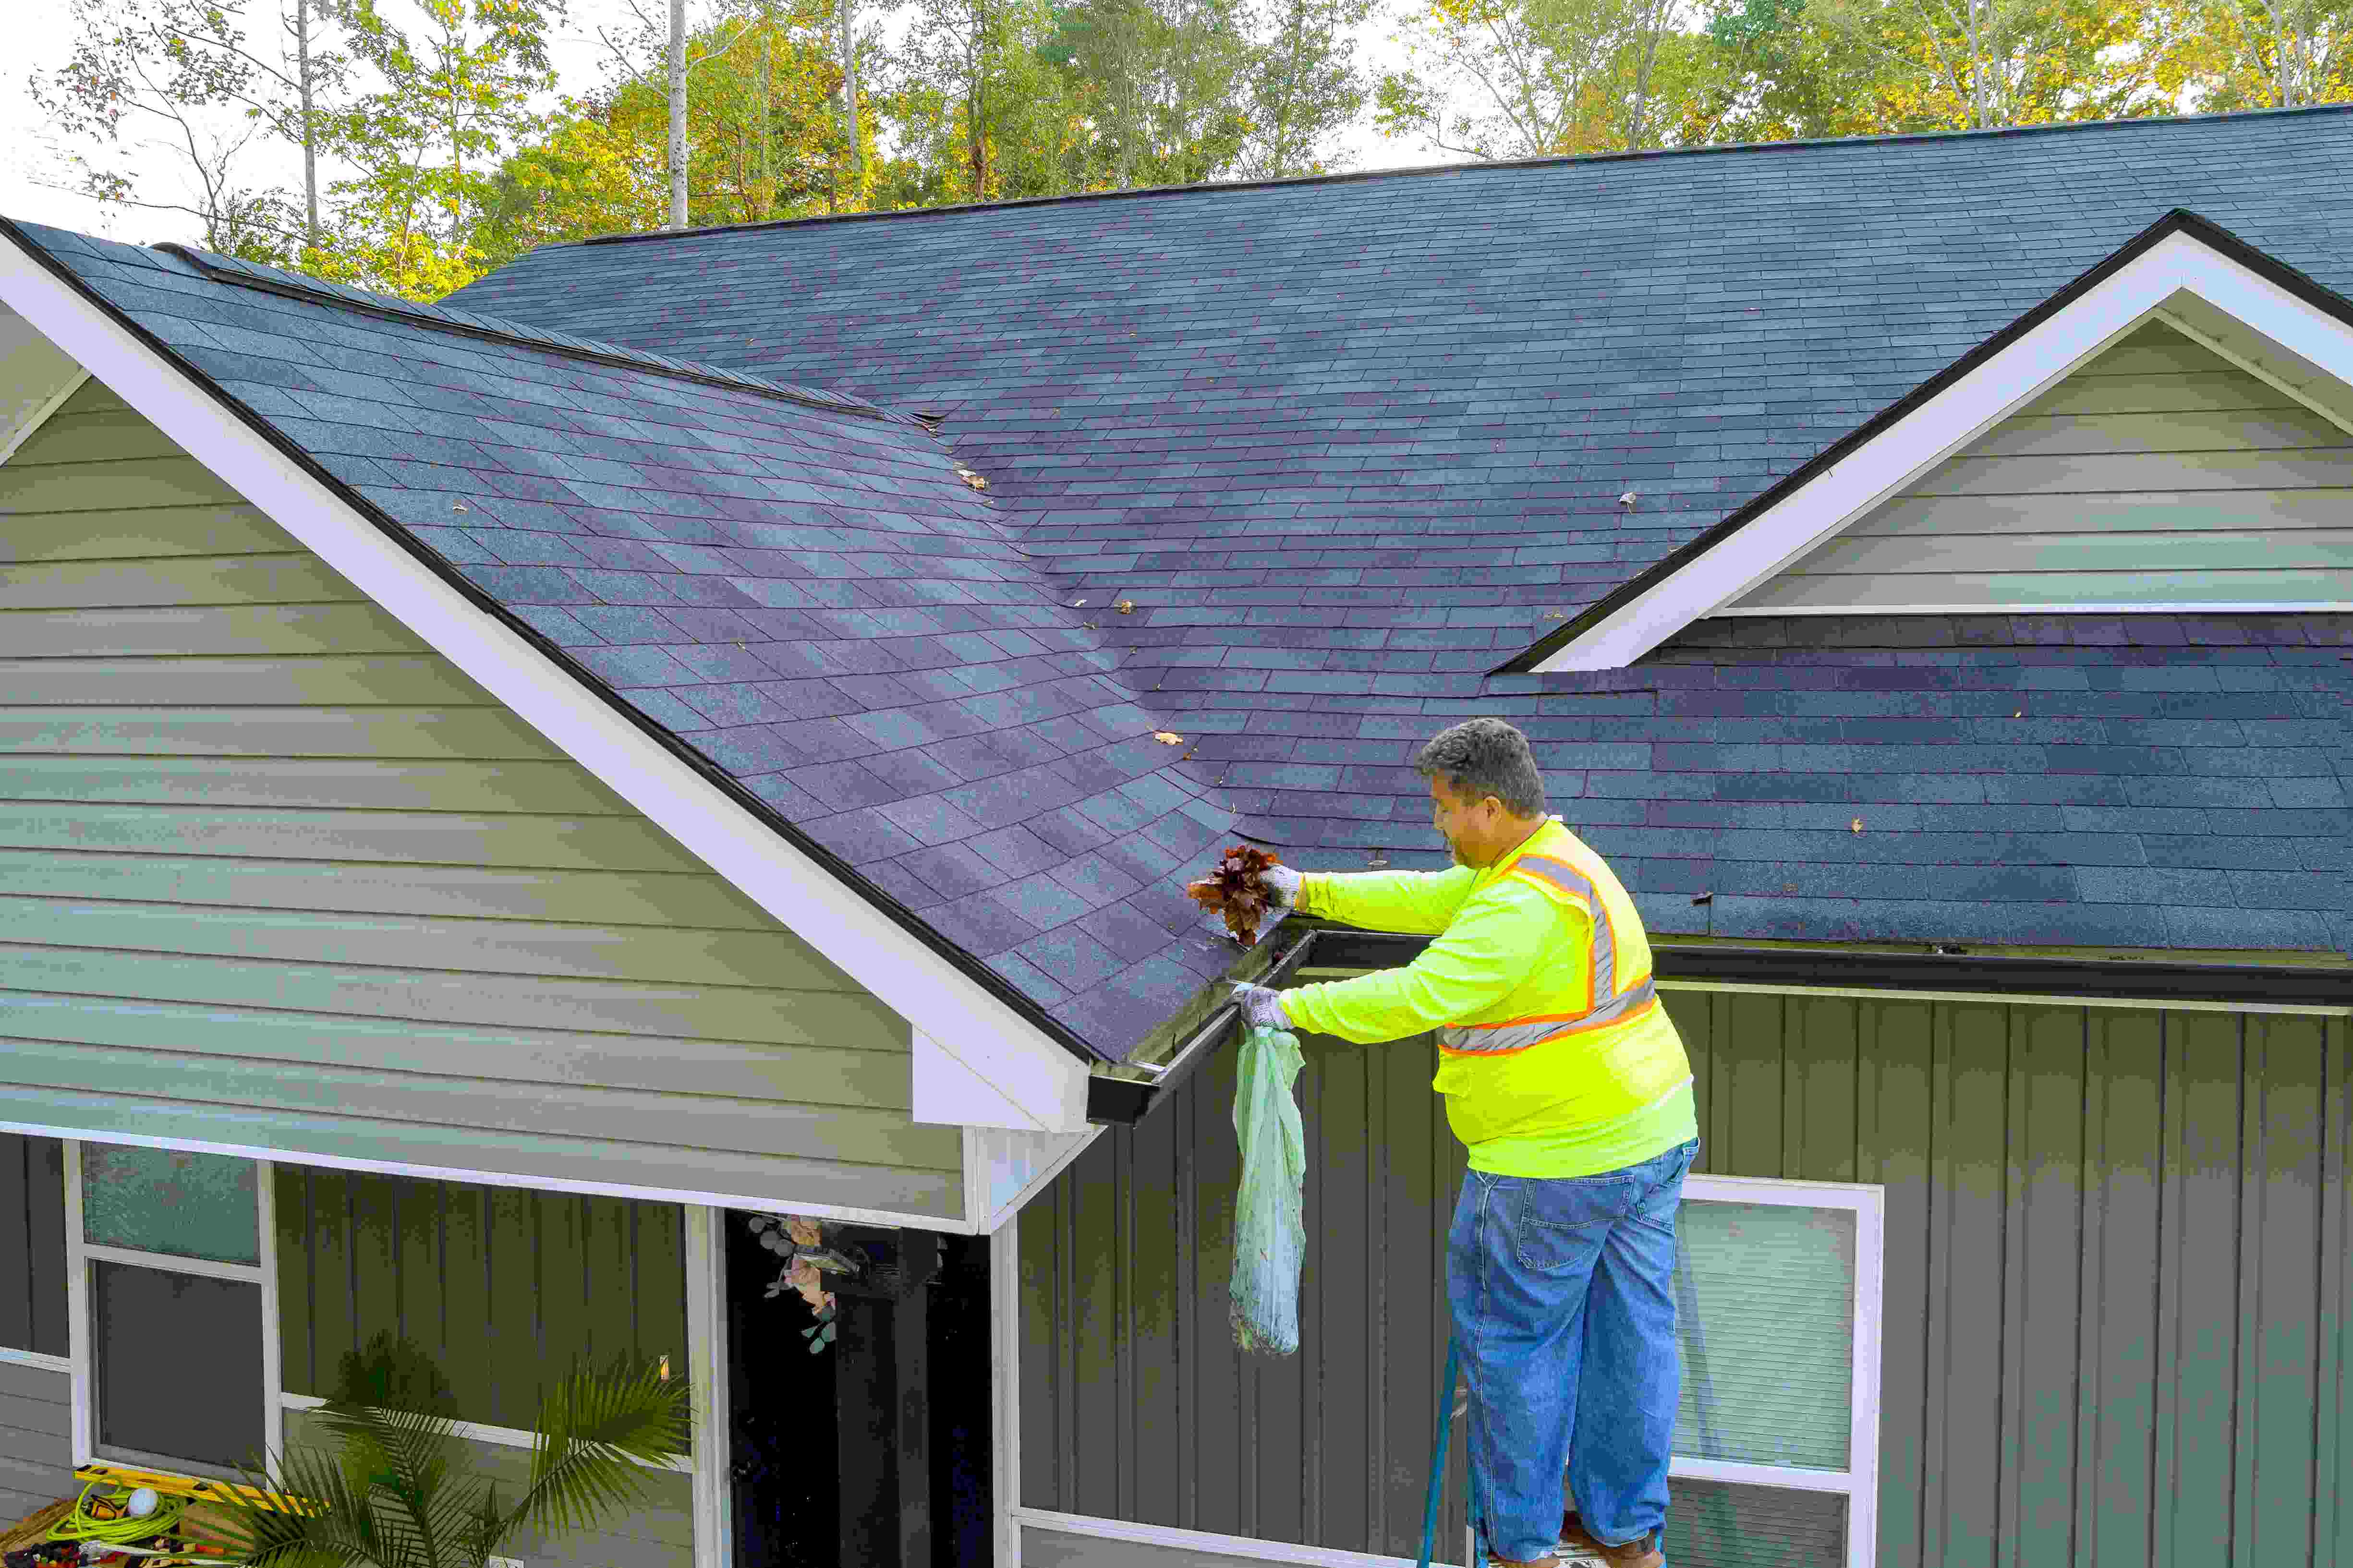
(1018, 1011)
(1655, 604)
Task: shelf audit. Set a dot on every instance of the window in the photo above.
(170, 1270)
(1777, 1297)
(32, 1251)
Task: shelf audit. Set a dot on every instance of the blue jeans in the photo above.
(1564, 1303)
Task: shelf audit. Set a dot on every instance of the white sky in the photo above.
(40, 36)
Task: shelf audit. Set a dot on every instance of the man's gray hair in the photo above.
(1481, 757)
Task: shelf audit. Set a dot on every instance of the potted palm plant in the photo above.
(394, 1490)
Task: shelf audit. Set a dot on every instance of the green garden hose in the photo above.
(82, 1524)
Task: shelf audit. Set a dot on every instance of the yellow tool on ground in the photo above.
(190, 1488)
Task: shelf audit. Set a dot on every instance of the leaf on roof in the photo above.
(1168, 737)
(1125, 606)
(1858, 825)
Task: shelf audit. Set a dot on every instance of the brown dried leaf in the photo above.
(1858, 825)
(1168, 737)
(1125, 606)
(1233, 890)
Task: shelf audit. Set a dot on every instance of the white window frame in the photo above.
(705, 1368)
(81, 1253)
(1858, 1483)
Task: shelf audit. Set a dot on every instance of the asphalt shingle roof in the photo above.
(1345, 446)
(800, 587)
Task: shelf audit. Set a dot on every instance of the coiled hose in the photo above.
(82, 1523)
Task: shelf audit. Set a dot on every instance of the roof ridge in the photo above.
(1712, 149)
(500, 328)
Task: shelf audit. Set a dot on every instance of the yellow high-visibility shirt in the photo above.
(1555, 1055)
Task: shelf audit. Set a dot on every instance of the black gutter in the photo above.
(2154, 980)
(842, 870)
(2180, 220)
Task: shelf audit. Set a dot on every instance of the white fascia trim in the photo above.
(965, 1018)
(27, 427)
(1202, 1542)
(56, 1363)
(961, 1224)
(982, 1145)
(709, 1389)
(2021, 371)
(2087, 608)
(1005, 1387)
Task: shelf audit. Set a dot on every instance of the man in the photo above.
(1568, 1082)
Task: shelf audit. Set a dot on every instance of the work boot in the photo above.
(1577, 1549)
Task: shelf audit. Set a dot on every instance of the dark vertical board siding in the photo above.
(657, 1290)
(32, 1243)
(515, 1339)
(1345, 1308)
(2115, 1317)
(2209, 1260)
(465, 1272)
(1897, 1040)
(328, 1239)
(2116, 1344)
(2334, 1409)
(2043, 1282)
(470, 1358)
(1154, 1323)
(2287, 1058)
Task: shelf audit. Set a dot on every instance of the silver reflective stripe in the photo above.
(1605, 944)
(1463, 1039)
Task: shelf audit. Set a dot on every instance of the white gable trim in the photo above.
(963, 1019)
(2181, 276)
(35, 380)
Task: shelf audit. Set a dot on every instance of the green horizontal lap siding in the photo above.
(271, 865)
(505, 1288)
(35, 1440)
(2115, 1311)
(2160, 473)
(32, 1245)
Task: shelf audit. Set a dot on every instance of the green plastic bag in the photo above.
(1269, 1221)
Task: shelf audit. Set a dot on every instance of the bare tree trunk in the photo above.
(678, 114)
(975, 106)
(846, 19)
(767, 108)
(310, 121)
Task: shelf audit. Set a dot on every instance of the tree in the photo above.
(393, 1492)
(761, 133)
(426, 145)
(2255, 53)
(1981, 64)
(1523, 79)
(1305, 85)
(188, 77)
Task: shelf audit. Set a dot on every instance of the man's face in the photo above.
(1465, 824)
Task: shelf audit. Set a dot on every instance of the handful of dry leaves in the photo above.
(1234, 890)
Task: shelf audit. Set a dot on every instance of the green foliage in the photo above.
(390, 1493)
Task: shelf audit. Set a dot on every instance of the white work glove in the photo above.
(1281, 884)
(1262, 1006)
